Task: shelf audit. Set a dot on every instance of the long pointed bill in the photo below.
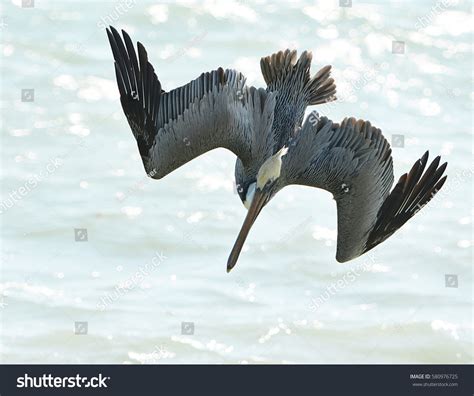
(258, 201)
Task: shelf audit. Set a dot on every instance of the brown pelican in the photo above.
(264, 128)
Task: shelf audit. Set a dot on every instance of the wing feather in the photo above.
(290, 76)
(353, 161)
(172, 128)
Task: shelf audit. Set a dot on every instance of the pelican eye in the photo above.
(345, 188)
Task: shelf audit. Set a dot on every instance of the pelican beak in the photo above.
(258, 202)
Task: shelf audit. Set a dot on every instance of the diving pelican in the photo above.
(274, 145)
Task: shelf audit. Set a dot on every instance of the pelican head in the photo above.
(258, 194)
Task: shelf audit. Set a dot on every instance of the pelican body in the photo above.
(274, 145)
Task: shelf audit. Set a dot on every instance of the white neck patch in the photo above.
(270, 170)
(249, 196)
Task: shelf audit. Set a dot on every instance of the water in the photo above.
(156, 251)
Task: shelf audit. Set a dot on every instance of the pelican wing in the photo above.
(353, 161)
(291, 78)
(171, 128)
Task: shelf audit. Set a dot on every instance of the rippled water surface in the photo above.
(148, 268)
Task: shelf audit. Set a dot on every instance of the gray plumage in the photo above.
(264, 128)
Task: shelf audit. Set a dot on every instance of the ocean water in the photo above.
(145, 282)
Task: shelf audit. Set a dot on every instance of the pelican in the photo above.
(274, 145)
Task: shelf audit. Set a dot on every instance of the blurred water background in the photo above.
(146, 277)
